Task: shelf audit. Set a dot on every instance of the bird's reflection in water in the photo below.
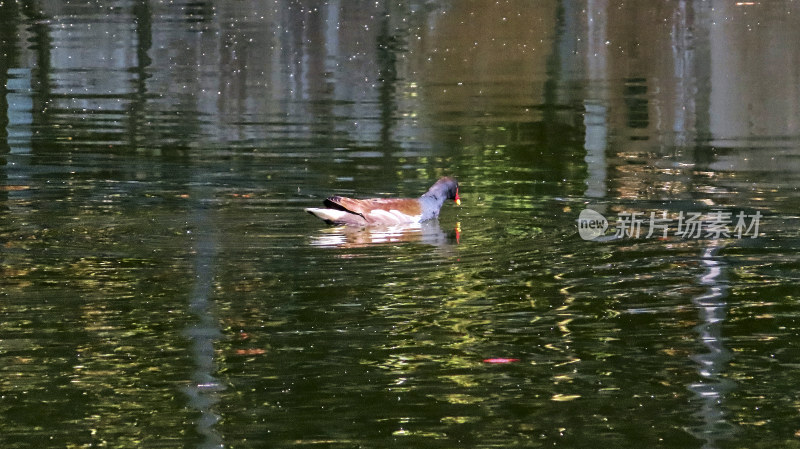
(428, 233)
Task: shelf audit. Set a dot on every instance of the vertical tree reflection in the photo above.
(710, 390)
(204, 389)
(387, 76)
(144, 41)
(8, 51)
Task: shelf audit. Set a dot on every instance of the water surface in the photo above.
(162, 287)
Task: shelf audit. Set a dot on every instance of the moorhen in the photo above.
(340, 210)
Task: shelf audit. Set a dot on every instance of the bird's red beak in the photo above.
(457, 199)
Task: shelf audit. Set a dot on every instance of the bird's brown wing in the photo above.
(406, 206)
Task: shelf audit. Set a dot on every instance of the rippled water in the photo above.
(162, 286)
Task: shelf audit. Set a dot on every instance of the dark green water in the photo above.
(161, 286)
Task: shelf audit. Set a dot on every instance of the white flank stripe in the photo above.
(392, 217)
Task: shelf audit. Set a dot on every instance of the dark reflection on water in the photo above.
(160, 284)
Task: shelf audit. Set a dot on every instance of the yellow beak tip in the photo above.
(458, 202)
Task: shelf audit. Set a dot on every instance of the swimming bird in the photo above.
(341, 210)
